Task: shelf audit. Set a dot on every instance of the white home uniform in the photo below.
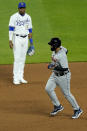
(60, 59)
(19, 37)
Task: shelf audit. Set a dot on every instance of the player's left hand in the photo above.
(31, 50)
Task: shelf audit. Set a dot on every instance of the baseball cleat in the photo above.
(77, 113)
(16, 82)
(56, 110)
(23, 81)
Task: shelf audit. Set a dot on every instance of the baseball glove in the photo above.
(31, 50)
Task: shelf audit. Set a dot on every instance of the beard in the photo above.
(22, 13)
(52, 49)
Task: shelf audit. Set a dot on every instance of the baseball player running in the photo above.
(20, 29)
(61, 77)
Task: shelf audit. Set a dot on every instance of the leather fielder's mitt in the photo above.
(31, 50)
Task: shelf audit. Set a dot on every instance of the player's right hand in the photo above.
(51, 66)
(11, 44)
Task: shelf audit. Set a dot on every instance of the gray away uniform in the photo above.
(63, 81)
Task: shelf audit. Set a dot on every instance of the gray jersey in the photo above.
(60, 59)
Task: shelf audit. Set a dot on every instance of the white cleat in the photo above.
(16, 82)
(23, 81)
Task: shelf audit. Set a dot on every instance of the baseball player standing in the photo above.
(60, 76)
(20, 30)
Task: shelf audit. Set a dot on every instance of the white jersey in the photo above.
(22, 24)
(60, 58)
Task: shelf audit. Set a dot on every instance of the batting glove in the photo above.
(31, 50)
(51, 66)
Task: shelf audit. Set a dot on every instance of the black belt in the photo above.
(21, 36)
(61, 73)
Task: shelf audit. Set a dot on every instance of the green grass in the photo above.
(66, 19)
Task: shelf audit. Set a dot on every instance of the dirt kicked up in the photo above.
(26, 107)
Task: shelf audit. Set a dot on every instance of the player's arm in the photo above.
(52, 64)
(66, 51)
(11, 30)
(30, 37)
(31, 49)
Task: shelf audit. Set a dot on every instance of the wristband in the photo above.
(30, 30)
(31, 41)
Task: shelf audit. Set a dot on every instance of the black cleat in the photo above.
(77, 113)
(56, 110)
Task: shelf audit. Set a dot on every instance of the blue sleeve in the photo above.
(11, 28)
(30, 30)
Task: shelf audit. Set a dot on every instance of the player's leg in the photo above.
(24, 48)
(50, 87)
(16, 66)
(65, 87)
(64, 83)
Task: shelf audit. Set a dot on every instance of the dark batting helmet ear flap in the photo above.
(55, 43)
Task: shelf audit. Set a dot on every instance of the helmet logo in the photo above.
(21, 3)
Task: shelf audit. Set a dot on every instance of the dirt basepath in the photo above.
(27, 107)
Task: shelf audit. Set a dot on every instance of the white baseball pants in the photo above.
(20, 47)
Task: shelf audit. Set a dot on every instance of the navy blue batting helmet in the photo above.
(55, 43)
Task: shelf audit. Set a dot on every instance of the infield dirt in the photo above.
(26, 107)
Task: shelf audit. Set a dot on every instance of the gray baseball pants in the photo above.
(64, 83)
